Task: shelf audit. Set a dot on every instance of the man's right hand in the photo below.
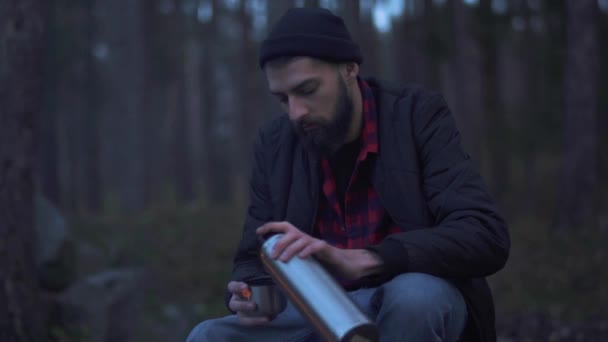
(242, 306)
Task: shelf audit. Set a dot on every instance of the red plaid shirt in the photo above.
(364, 221)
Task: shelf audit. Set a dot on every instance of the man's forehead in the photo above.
(284, 76)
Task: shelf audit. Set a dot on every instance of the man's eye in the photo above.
(308, 91)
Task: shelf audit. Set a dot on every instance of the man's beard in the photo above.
(329, 135)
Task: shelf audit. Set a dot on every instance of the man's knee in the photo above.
(201, 332)
(420, 307)
(419, 294)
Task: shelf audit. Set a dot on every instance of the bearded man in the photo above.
(371, 179)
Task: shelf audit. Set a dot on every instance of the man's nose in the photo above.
(296, 109)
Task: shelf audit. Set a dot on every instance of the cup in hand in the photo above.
(269, 300)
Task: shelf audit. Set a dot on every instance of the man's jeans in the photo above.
(411, 307)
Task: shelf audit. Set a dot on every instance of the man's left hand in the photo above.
(351, 264)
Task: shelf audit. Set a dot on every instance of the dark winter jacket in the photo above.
(426, 182)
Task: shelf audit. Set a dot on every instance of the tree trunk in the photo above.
(120, 28)
(466, 80)
(580, 160)
(603, 113)
(214, 166)
(21, 50)
(276, 9)
(311, 3)
(208, 94)
(351, 14)
(495, 121)
(193, 84)
(69, 76)
(371, 45)
(527, 106)
(155, 149)
(412, 35)
(431, 44)
(249, 109)
(182, 103)
(182, 165)
(47, 157)
(91, 181)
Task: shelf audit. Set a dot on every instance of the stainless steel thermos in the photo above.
(319, 297)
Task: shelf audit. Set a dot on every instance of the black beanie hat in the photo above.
(312, 32)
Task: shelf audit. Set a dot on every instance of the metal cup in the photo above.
(269, 300)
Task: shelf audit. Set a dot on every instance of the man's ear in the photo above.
(351, 71)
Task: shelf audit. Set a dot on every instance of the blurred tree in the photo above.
(432, 43)
(154, 155)
(181, 161)
(465, 78)
(52, 170)
(120, 32)
(48, 156)
(603, 105)
(519, 85)
(193, 99)
(22, 41)
(165, 151)
(208, 35)
(312, 3)
(182, 95)
(413, 32)
(249, 93)
(372, 46)
(580, 160)
(530, 94)
(351, 13)
(91, 184)
(220, 160)
(496, 127)
(275, 10)
(67, 98)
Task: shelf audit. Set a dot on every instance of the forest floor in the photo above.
(554, 287)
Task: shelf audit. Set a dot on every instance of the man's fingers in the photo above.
(237, 287)
(306, 252)
(243, 306)
(294, 249)
(240, 305)
(285, 241)
(274, 227)
(313, 248)
(244, 312)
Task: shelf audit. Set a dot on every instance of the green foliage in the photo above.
(60, 334)
(187, 250)
(563, 274)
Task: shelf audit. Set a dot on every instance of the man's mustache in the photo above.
(302, 123)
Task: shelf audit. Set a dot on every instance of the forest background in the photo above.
(126, 138)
